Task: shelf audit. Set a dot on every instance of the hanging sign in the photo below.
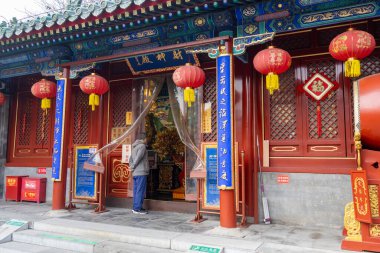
(318, 87)
(126, 152)
(207, 118)
(58, 130)
(161, 61)
(359, 184)
(128, 118)
(85, 181)
(225, 115)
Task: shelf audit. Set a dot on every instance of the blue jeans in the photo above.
(139, 188)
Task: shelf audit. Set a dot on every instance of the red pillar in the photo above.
(227, 197)
(59, 187)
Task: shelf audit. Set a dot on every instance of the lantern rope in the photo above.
(352, 67)
(189, 96)
(272, 82)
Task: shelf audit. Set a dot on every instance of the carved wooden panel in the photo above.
(209, 95)
(118, 176)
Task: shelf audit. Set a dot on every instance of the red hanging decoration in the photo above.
(318, 87)
(350, 47)
(189, 77)
(94, 85)
(2, 98)
(45, 90)
(272, 62)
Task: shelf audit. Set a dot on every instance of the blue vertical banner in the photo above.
(225, 111)
(58, 130)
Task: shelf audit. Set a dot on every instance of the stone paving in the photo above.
(321, 238)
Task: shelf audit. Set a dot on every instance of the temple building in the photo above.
(295, 149)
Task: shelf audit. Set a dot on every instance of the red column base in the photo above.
(227, 209)
(59, 195)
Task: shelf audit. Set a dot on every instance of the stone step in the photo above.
(56, 240)
(282, 248)
(119, 247)
(131, 235)
(165, 240)
(18, 247)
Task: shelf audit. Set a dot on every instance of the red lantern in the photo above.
(272, 62)
(189, 77)
(2, 98)
(45, 90)
(95, 86)
(351, 46)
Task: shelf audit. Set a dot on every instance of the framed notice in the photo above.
(85, 181)
(211, 192)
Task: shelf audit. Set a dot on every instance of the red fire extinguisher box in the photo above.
(13, 187)
(33, 189)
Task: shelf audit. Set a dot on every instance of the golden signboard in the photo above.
(206, 118)
(128, 118)
(116, 132)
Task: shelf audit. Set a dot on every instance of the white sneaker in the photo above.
(139, 212)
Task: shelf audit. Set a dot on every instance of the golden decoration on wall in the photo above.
(351, 224)
(374, 200)
(374, 230)
(120, 172)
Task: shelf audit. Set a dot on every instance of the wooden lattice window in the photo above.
(290, 120)
(33, 128)
(81, 118)
(121, 103)
(283, 120)
(209, 95)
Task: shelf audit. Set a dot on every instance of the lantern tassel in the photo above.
(352, 68)
(93, 101)
(45, 103)
(189, 96)
(319, 120)
(272, 82)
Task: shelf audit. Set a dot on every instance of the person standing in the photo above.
(139, 165)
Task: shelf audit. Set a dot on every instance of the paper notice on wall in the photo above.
(126, 153)
(206, 118)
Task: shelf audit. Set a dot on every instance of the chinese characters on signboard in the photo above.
(58, 131)
(225, 122)
(160, 61)
(85, 181)
(207, 118)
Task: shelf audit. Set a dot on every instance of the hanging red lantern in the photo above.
(272, 62)
(94, 85)
(2, 98)
(45, 90)
(189, 77)
(350, 47)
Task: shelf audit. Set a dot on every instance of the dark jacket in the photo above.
(138, 161)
